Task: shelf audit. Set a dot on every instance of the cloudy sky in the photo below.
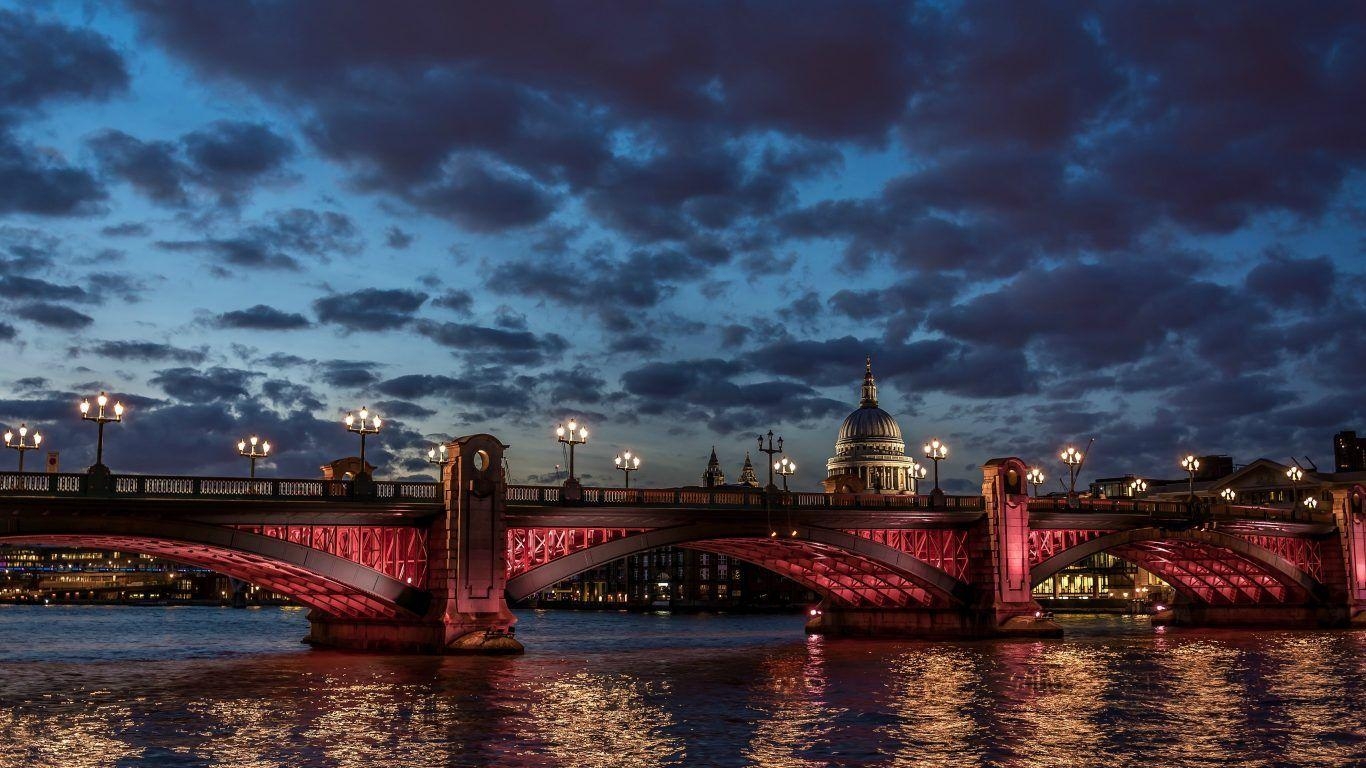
(685, 223)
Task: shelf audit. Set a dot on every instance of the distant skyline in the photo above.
(684, 224)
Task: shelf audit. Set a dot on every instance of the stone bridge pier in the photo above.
(466, 570)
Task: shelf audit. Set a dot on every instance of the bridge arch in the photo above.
(849, 570)
(1205, 566)
(331, 584)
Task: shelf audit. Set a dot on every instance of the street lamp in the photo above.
(1228, 495)
(917, 473)
(1296, 475)
(1035, 477)
(21, 446)
(1138, 487)
(771, 451)
(627, 464)
(101, 418)
(438, 457)
(936, 451)
(1191, 465)
(1072, 458)
(571, 435)
(366, 424)
(253, 448)
(1311, 503)
(786, 468)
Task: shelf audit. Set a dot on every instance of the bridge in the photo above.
(433, 567)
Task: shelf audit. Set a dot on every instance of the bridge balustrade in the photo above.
(733, 498)
(1181, 510)
(50, 484)
(181, 486)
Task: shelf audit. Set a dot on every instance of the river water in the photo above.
(93, 686)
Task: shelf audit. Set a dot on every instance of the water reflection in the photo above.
(225, 688)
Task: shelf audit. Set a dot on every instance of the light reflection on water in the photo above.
(209, 687)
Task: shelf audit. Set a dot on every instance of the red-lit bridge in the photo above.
(433, 567)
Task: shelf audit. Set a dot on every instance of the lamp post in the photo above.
(1191, 465)
(785, 468)
(253, 448)
(1138, 487)
(936, 451)
(917, 473)
(1035, 477)
(438, 457)
(101, 418)
(366, 424)
(21, 446)
(627, 463)
(571, 434)
(1072, 458)
(1296, 475)
(1228, 495)
(1311, 503)
(771, 451)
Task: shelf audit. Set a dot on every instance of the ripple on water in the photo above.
(217, 687)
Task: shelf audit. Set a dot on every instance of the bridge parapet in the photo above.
(1174, 511)
(184, 486)
(523, 495)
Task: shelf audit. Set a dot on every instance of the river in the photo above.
(126, 686)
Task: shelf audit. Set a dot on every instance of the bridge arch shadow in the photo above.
(1203, 566)
(847, 570)
(330, 584)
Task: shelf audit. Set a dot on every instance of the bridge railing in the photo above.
(1180, 509)
(181, 486)
(735, 498)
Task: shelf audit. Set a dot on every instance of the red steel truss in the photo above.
(1305, 554)
(530, 547)
(1202, 571)
(299, 583)
(1047, 543)
(400, 553)
(945, 549)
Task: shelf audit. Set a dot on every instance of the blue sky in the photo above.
(685, 224)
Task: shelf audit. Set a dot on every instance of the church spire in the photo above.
(869, 385)
(713, 476)
(747, 476)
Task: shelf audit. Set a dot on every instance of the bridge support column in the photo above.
(466, 570)
(1348, 584)
(1000, 560)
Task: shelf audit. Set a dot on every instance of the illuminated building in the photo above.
(870, 454)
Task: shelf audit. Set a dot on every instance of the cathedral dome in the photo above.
(870, 452)
(869, 423)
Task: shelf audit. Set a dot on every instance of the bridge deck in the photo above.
(235, 500)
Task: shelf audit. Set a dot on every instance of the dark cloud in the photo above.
(472, 391)
(481, 344)
(44, 61)
(708, 390)
(278, 243)
(7, 332)
(126, 229)
(403, 409)
(262, 318)
(37, 182)
(397, 238)
(54, 316)
(225, 159)
(16, 287)
(191, 385)
(143, 351)
(350, 374)
(290, 395)
(460, 302)
(370, 309)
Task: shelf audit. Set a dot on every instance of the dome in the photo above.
(869, 423)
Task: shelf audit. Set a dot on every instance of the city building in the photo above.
(1349, 452)
(870, 454)
(65, 575)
